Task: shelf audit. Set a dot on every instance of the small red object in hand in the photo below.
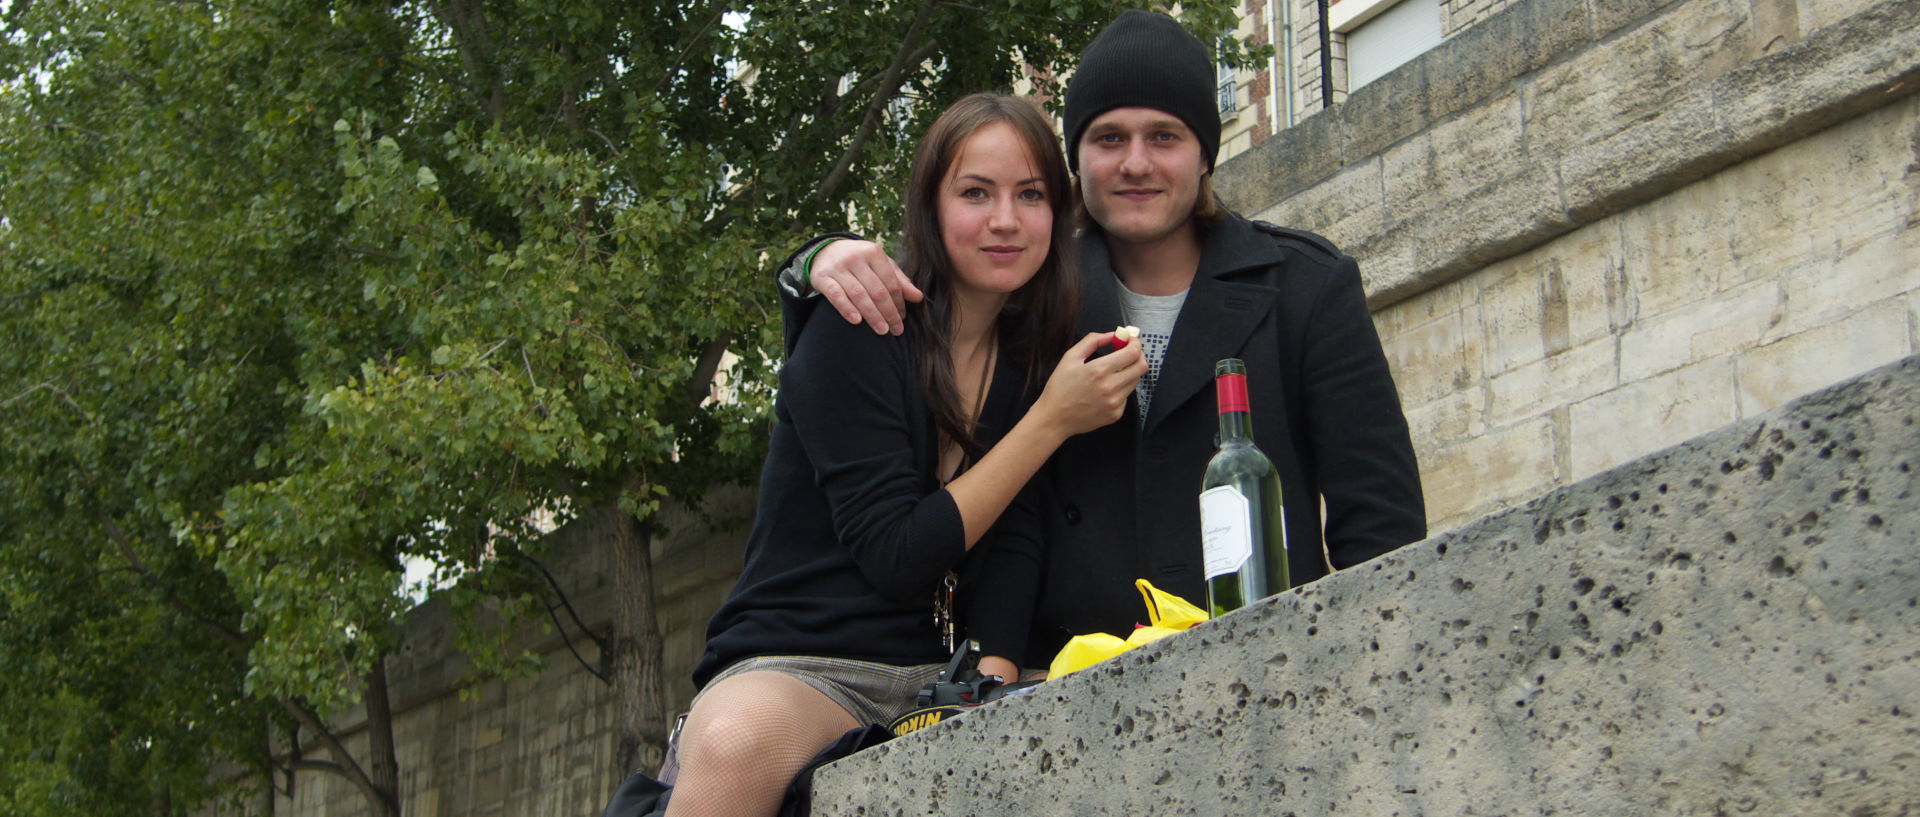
(1123, 336)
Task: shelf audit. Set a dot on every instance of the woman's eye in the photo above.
(973, 193)
(1031, 194)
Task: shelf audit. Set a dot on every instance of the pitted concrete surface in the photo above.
(1730, 626)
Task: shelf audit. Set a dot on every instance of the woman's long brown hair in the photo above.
(1036, 327)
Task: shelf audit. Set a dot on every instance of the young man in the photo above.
(1159, 251)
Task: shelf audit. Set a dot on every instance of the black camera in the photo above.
(956, 689)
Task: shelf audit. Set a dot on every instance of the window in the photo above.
(1225, 82)
(1382, 36)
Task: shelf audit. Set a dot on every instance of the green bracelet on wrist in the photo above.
(806, 262)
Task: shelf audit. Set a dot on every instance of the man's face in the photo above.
(1140, 171)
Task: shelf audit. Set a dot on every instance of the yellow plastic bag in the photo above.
(1168, 613)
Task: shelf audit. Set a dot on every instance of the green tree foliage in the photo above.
(294, 291)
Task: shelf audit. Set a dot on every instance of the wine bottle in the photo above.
(1243, 530)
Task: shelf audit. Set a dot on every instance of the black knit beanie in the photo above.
(1144, 59)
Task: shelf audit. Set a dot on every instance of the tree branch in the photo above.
(316, 766)
(866, 86)
(218, 628)
(476, 51)
(375, 253)
(347, 767)
(52, 388)
(910, 54)
(567, 603)
(706, 367)
(666, 77)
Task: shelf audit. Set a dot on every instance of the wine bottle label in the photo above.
(1226, 529)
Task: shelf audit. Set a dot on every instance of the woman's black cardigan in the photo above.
(853, 531)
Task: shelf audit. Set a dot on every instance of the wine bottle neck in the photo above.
(1236, 428)
(1236, 422)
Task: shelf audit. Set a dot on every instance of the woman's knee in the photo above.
(728, 738)
(769, 727)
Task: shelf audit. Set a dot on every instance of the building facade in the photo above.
(1363, 40)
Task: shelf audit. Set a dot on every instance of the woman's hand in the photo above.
(1080, 396)
(1084, 394)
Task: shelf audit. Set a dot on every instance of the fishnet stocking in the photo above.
(746, 737)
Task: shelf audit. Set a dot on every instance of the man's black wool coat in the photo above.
(1122, 503)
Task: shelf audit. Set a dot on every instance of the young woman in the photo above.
(892, 462)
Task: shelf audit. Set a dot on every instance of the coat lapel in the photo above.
(1099, 290)
(1100, 303)
(1218, 317)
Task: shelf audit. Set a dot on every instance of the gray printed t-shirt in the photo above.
(1155, 316)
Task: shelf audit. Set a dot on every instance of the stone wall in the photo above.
(1731, 626)
(1458, 15)
(1594, 229)
(544, 745)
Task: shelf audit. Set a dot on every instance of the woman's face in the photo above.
(996, 217)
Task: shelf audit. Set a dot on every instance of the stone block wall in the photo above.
(544, 745)
(1458, 15)
(1591, 230)
(1307, 85)
(1731, 626)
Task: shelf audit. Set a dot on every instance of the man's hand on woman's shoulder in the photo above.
(864, 284)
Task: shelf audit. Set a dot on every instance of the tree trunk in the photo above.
(268, 770)
(634, 650)
(382, 766)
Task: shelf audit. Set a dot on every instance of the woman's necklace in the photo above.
(986, 378)
(943, 595)
(976, 403)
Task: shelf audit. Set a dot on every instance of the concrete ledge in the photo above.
(1557, 113)
(1729, 626)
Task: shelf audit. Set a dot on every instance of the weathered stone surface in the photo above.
(1651, 414)
(1693, 127)
(1748, 267)
(1448, 162)
(1429, 362)
(1552, 383)
(1740, 319)
(1612, 15)
(1290, 161)
(1484, 59)
(1509, 215)
(1480, 471)
(1677, 93)
(1772, 374)
(1818, 14)
(1384, 112)
(1729, 626)
(1348, 210)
